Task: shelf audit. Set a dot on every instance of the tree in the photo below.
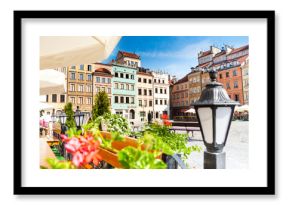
(101, 105)
(70, 122)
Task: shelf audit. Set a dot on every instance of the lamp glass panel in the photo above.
(205, 116)
(81, 119)
(223, 115)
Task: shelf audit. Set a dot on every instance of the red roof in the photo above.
(204, 65)
(220, 53)
(239, 49)
(205, 53)
(102, 70)
(129, 55)
(143, 73)
(182, 80)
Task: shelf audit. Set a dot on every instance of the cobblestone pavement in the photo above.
(236, 147)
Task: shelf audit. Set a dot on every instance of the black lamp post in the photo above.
(79, 118)
(62, 117)
(214, 111)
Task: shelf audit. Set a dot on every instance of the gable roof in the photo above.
(129, 55)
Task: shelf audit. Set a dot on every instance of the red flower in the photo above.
(164, 117)
(83, 149)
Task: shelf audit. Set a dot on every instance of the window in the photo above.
(116, 99)
(89, 67)
(145, 92)
(163, 81)
(161, 102)
(139, 80)
(132, 77)
(165, 102)
(72, 87)
(116, 86)
(109, 80)
(103, 80)
(73, 67)
(221, 76)
(165, 91)
(132, 87)
(89, 100)
(97, 89)
(122, 86)
(81, 76)
(54, 98)
(89, 77)
(228, 85)
(156, 102)
(132, 100)
(144, 80)
(103, 89)
(145, 103)
(116, 75)
(62, 98)
(127, 86)
(89, 88)
(82, 67)
(161, 90)
(72, 100)
(127, 100)
(121, 75)
(156, 90)
(72, 76)
(98, 79)
(236, 84)
(139, 91)
(149, 81)
(150, 92)
(109, 90)
(140, 103)
(127, 76)
(81, 100)
(236, 97)
(158, 80)
(234, 72)
(122, 99)
(154, 80)
(227, 74)
(81, 88)
(150, 103)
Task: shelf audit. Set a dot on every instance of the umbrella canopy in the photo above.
(45, 106)
(191, 110)
(242, 108)
(52, 82)
(58, 51)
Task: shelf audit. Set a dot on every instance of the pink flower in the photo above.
(73, 145)
(77, 159)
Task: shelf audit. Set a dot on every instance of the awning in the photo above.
(52, 82)
(59, 51)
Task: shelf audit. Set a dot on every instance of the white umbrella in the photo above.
(52, 82)
(59, 51)
(45, 106)
(242, 108)
(191, 110)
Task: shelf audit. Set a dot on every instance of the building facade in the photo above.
(79, 87)
(145, 93)
(194, 86)
(245, 76)
(180, 98)
(102, 81)
(160, 94)
(124, 92)
(128, 59)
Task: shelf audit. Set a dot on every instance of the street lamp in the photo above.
(214, 111)
(79, 118)
(62, 117)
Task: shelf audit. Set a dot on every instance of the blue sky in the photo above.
(173, 54)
